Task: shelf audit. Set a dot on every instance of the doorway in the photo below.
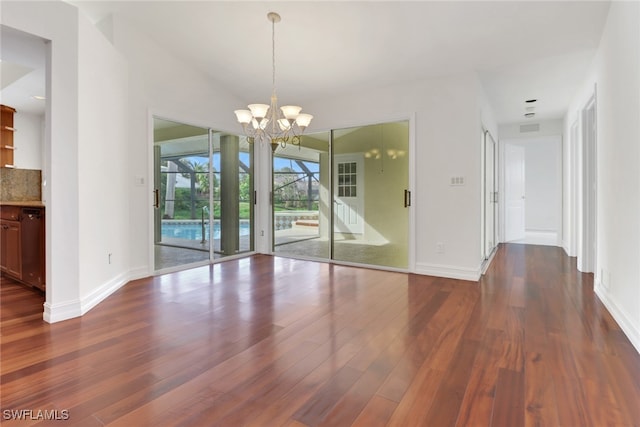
(514, 193)
(25, 68)
(348, 194)
(302, 198)
(371, 194)
(588, 191)
(533, 190)
(344, 195)
(203, 195)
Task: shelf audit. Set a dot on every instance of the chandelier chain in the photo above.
(273, 54)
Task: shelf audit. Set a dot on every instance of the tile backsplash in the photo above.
(20, 185)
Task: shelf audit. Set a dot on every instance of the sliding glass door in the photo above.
(370, 194)
(203, 194)
(181, 165)
(301, 198)
(343, 195)
(232, 183)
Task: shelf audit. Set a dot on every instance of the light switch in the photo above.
(457, 180)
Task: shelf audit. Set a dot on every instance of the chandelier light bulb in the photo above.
(303, 120)
(291, 111)
(244, 116)
(258, 110)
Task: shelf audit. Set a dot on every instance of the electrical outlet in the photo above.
(439, 248)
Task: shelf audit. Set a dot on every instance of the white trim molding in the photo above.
(449, 271)
(101, 293)
(67, 310)
(623, 320)
(61, 311)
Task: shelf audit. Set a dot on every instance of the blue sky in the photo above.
(279, 162)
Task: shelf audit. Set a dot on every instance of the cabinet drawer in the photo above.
(11, 213)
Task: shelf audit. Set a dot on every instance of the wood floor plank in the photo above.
(376, 413)
(508, 406)
(447, 401)
(268, 341)
(321, 403)
(539, 395)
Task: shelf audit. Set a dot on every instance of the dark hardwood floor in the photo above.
(268, 341)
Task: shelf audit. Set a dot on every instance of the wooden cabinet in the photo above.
(10, 259)
(6, 136)
(22, 250)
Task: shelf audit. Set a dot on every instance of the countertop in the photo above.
(28, 204)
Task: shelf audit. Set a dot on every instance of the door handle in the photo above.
(156, 194)
(407, 198)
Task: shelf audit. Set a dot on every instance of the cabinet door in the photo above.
(32, 240)
(10, 259)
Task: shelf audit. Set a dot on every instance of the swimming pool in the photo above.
(193, 230)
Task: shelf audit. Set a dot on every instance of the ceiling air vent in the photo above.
(530, 128)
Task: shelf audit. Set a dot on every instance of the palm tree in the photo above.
(201, 172)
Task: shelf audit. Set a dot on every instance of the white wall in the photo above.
(28, 140)
(448, 123)
(616, 74)
(86, 205)
(103, 174)
(161, 84)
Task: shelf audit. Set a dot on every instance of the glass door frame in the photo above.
(411, 250)
(489, 197)
(153, 197)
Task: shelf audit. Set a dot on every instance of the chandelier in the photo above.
(268, 123)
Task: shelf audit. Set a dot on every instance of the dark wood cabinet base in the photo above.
(22, 248)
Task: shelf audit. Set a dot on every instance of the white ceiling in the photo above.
(521, 50)
(22, 71)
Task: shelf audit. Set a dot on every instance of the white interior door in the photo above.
(514, 193)
(348, 203)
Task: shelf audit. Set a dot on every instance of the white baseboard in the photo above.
(101, 293)
(487, 262)
(449, 271)
(70, 309)
(61, 311)
(139, 273)
(542, 237)
(626, 324)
